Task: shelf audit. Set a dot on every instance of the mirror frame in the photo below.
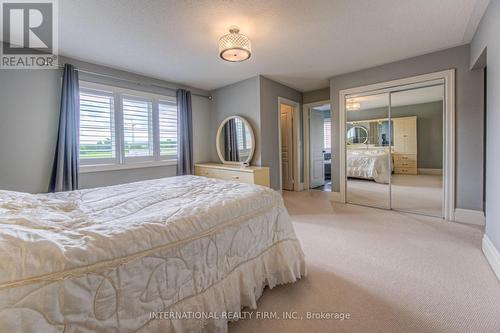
(357, 126)
(217, 141)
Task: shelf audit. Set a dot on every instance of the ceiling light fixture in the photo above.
(235, 47)
(352, 106)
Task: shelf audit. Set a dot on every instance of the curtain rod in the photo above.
(136, 82)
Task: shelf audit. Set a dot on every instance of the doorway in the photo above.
(286, 126)
(397, 145)
(317, 121)
(288, 144)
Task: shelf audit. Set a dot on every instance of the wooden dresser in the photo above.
(405, 145)
(251, 174)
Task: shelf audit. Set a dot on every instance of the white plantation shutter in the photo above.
(137, 127)
(328, 133)
(167, 114)
(120, 126)
(97, 132)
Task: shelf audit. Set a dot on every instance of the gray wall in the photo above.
(256, 99)
(469, 115)
(29, 103)
(28, 127)
(487, 38)
(316, 95)
(429, 129)
(269, 114)
(242, 99)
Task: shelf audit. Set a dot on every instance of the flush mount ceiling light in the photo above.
(351, 105)
(234, 46)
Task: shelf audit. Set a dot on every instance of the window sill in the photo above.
(116, 167)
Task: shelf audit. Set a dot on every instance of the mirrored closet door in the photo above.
(368, 150)
(394, 149)
(418, 119)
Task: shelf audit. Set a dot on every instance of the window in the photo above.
(168, 128)
(137, 127)
(120, 128)
(97, 130)
(328, 133)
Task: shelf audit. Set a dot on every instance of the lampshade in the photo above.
(234, 46)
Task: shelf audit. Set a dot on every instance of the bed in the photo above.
(369, 164)
(169, 255)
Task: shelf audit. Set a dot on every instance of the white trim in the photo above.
(429, 171)
(115, 167)
(449, 136)
(492, 255)
(469, 216)
(295, 141)
(306, 110)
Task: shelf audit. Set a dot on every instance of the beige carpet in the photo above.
(392, 272)
(421, 194)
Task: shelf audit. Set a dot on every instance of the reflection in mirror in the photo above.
(235, 140)
(357, 134)
(417, 182)
(368, 164)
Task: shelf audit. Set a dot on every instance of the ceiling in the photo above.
(299, 43)
(407, 97)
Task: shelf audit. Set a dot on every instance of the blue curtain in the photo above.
(231, 152)
(66, 160)
(185, 164)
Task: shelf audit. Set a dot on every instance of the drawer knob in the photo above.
(236, 177)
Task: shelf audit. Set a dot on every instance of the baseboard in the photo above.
(492, 255)
(469, 216)
(427, 171)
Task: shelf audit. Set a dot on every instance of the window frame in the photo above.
(120, 161)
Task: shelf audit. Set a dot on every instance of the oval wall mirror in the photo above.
(357, 134)
(235, 141)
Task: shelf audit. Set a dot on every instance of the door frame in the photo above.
(295, 142)
(448, 76)
(306, 130)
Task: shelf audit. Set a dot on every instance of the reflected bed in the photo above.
(372, 164)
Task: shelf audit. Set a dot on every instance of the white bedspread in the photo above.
(104, 259)
(369, 164)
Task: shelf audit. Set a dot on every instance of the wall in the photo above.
(316, 95)
(242, 99)
(486, 39)
(469, 116)
(429, 129)
(28, 127)
(29, 116)
(256, 99)
(269, 92)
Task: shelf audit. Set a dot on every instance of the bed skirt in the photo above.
(283, 263)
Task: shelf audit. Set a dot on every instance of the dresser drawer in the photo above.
(244, 177)
(406, 171)
(405, 163)
(404, 158)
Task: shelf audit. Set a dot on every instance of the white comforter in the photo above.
(104, 259)
(369, 164)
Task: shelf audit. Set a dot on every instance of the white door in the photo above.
(286, 147)
(317, 130)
